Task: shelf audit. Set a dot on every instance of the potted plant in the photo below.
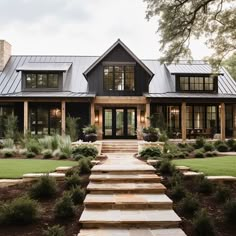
(90, 133)
(150, 134)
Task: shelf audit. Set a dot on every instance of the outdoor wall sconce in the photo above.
(96, 116)
(142, 117)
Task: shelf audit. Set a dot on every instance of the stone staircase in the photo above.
(119, 146)
(126, 198)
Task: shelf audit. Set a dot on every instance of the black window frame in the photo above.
(204, 84)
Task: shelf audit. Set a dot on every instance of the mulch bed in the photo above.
(71, 226)
(213, 208)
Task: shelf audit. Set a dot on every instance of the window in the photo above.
(199, 115)
(195, 83)
(211, 117)
(189, 117)
(119, 78)
(42, 80)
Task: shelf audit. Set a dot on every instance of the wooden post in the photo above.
(147, 118)
(183, 121)
(92, 113)
(63, 117)
(222, 121)
(26, 117)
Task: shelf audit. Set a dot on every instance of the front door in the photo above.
(119, 122)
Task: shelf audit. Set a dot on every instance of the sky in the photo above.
(81, 27)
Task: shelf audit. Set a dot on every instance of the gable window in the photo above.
(196, 83)
(42, 80)
(119, 78)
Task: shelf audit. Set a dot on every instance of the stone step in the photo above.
(128, 201)
(191, 174)
(129, 218)
(126, 188)
(221, 179)
(182, 168)
(113, 178)
(59, 176)
(132, 232)
(63, 169)
(120, 151)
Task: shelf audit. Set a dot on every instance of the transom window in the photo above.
(42, 80)
(196, 83)
(119, 78)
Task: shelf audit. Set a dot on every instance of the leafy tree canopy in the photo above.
(230, 65)
(182, 20)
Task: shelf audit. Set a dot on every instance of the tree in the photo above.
(230, 65)
(182, 20)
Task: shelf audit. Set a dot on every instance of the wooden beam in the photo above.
(63, 117)
(222, 121)
(183, 121)
(92, 113)
(147, 115)
(125, 100)
(26, 117)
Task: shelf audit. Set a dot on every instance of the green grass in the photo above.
(211, 166)
(15, 168)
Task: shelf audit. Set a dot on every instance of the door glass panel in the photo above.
(42, 125)
(131, 122)
(108, 122)
(119, 122)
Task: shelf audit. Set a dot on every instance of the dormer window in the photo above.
(196, 83)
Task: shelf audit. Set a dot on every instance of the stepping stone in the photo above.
(129, 218)
(192, 174)
(221, 179)
(63, 169)
(152, 162)
(128, 201)
(113, 178)
(126, 188)
(38, 175)
(132, 232)
(182, 168)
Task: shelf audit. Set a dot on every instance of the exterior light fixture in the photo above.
(96, 116)
(142, 117)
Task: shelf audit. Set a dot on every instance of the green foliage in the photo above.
(64, 207)
(163, 137)
(151, 130)
(8, 143)
(199, 143)
(209, 154)
(230, 212)
(44, 188)
(90, 129)
(150, 152)
(8, 152)
(202, 224)
(55, 230)
(72, 125)
(10, 127)
(169, 156)
(198, 154)
(33, 146)
(222, 147)
(230, 65)
(204, 185)
(166, 167)
(47, 153)
(50, 142)
(208, 147)
(189, 205)
(20, 211)
(63, 156)
(85, 166)
(77, 195)
(30, 154)
(178, 192)
(73, 181)
(217, 143)
(65, 146)
(231, 144)
(85, 150)
(78, 157)
(222, 194)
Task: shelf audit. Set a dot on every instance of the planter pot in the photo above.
(148, 137)
(90, 137)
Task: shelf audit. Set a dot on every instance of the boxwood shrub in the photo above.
(150, 152)
(85, 150)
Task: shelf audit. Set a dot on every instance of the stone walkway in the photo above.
(127, 199)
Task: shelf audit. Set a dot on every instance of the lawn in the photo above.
(15, 168)
(211, 166)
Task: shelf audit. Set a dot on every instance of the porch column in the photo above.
(63, 117)
(183, 121)
(222, 121)
(92, 113)
(26, 117)
(147, 114)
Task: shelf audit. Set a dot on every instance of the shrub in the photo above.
(166, 167)
(33, 146)
(171, 148)
(208, 147)
(150, 152)
(20, 211)
(8, 152)
(222, 147)
(209, 154)
(8, 143)
(163, 137)
(64, 207)
(189, 205)
(222, 194)
(217, 143)
(72, 124)
(169, 156)
(73, 181)
(55, 230)
(78, 157)
(204, 185)
(230, 212)
(84, 166)
(85, 150)
(200, 142)
(176, 179)
(10, 126)
(234, 148)
(30, 154)
(46, 187)
(65, 146)
(198, 154)
(178, 192)
(47, 154)
(180, 155)
(63, 156)
(77, 195)
(215, 153)
(231, 144)
(202, 224)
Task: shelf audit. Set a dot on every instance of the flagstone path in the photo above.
(126, 198)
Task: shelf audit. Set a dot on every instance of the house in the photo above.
(118, 92)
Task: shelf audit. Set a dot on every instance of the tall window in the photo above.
(195, 83)
(211, 117)
(199, 112)
(173, 113)
(42, 80)
(189, 117)
(119, 78)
